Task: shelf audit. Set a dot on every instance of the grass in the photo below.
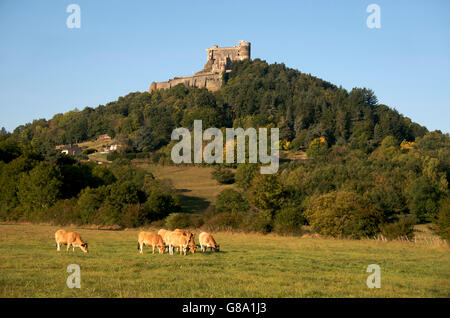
(196, 186)
(249, 265)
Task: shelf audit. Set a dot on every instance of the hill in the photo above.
(369, 170)
(254, 94)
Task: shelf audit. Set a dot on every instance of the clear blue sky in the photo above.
(122, 46)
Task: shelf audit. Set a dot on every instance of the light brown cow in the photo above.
(70, 238)
(207, 240)
(185, 233)
(162, 232)
(150, 239)
(178, 240)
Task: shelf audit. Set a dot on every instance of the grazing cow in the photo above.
(185, 233)
(178, 240)
(155, 240)
(165, 236)
(162, 232)
(70, 238)
(207, 240)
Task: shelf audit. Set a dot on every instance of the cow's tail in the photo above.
(139, 246)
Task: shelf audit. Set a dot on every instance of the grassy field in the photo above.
(249, 265)
(195, 184)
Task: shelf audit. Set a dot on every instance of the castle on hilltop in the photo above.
(218, 61)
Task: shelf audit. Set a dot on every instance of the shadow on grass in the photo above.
(192, 204)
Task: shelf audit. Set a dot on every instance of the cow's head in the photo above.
(217, 248)
(192, 247)
(84, 247)
(161, 248)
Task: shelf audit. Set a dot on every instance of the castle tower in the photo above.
(244, 50)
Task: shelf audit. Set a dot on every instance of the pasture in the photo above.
(196, 187)
(249, 265)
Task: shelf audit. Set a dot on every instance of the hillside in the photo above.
(351, 167)
(255, 94)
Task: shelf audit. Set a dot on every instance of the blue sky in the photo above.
(122, 46)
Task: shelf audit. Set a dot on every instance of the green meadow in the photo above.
(249, 265)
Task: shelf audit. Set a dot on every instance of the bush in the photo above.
(404, 227)
(245, 174)
(159, 206)
(443, 220)
(289, 220)
(223, 222)
(342, 214)
(222, 175)
(183, 221)
(317, 148)
(89, 151)
(132, 216)
(230, 200)
(64, 212)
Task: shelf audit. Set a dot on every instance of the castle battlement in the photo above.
(218, 60)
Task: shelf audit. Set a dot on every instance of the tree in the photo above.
(230, 200)
(158, 206)
(41, 187)
(244, 174)
(317, 148)
(267, 193)
(442, 221)
(342, 214)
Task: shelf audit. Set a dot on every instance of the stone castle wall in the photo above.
(218, 61)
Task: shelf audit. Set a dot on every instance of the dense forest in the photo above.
(369, 170)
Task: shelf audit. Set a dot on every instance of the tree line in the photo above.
(369, 170)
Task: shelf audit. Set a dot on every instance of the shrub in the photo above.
(89, 201)
(289, 220)
(222, 175)
(317, 148)
(183, 221)
(342, 214)
(159, 206)
(64, 212)
(230, 200)
(404, 227)
(131, 216)
(89, 151)
(245, 174)
(443, 219)
(223, 222)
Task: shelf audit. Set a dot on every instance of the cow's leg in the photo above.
(68, 246)
(58, 246)
(141, 248)
(153, 247)
(203, 248)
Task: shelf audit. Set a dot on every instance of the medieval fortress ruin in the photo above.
(218, 61)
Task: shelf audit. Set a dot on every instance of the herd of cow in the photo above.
(180, 239)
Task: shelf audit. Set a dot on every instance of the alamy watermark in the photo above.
(213, 151)
(74, 19)
(374, 19)
(74, 279)
(374, 280)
